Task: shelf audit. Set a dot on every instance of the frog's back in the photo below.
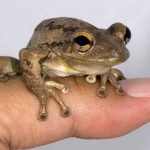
(56, 32)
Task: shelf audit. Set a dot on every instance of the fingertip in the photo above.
(139, 87)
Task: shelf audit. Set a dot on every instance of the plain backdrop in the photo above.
(18, 18)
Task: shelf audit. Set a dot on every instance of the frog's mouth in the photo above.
(111, 61)
(106, 61)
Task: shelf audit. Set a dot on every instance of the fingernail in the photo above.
(137, 87)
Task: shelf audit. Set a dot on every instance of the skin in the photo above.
(20, 129)
(62, 47)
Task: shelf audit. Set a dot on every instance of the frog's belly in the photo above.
(78, 70)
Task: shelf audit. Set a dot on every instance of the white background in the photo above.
(18, 18)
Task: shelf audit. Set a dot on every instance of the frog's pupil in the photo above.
(127, 35)
(82, 40)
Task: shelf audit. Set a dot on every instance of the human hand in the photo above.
(92, 117)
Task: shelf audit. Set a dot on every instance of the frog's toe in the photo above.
(43, 113)
(91, 78)
(120, 91)
(42, 116)
(101, 93)
(65, 89)
(3, 78)
(65, 112)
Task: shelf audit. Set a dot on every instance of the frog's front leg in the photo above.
(31, 68)
(102, 90)
(113, 75)
(65, 111)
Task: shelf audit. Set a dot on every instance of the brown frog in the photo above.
(61, 47)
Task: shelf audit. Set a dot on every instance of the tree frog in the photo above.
(61, 47)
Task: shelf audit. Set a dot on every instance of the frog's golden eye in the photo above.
(82, 41)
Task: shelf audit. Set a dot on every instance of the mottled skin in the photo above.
(68, 46)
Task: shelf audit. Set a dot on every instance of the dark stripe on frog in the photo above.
(52, 26)
(66, 24)
(49, 45)
(68, 29)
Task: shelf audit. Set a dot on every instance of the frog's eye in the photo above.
(82, 42)
(121, 31)
(127, 35)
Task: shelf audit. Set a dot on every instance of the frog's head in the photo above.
(98, 46)
(80, 43)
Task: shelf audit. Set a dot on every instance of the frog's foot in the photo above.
(113, 75)
(64, 89)
(120, 91)
(101, 92)
(3, 77)
(43, 112)
(64, 110)
(50, 85)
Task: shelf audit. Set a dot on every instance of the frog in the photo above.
(62, 47)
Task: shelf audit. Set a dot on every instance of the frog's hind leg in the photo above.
(3, 77)
(9, 67)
